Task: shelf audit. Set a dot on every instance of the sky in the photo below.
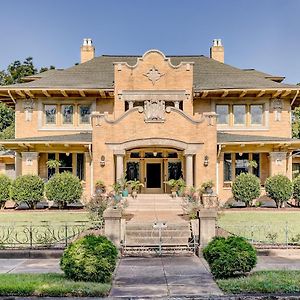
(260, 34)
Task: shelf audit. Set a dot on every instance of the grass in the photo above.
(42, 215)
(266, 226)
(263, 282)
(55, 285)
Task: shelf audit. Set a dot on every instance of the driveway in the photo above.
(163, 277)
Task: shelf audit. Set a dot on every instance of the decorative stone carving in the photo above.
(154, 111)
(278, 157)
(153, 75)
(28, 108)
(277, 106)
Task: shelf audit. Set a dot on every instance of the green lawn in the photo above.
(265, 226)
(43, 215)
(54, 285)
(263, 282)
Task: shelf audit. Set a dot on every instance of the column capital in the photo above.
(119, 152)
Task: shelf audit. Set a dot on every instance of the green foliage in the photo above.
(176, 184)
(28, 189)
(97, 205)
(53, 163)
(246, 188)
(7, 116)
(279, 282)
(296, 189)
(8, 132)
(91, 258)
(49, 285)
(135, 185)
(296, 123)
(229, 257)
(63, 188)
(5, 184)
(279, 188)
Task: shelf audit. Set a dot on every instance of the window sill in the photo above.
(79, 128)
(252, 128)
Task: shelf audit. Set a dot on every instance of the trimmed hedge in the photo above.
(28, 189)
(279, 188)
(63, 188)
(5, 184)
(246, 188)
(91, 258)
(296, 189)
(229, 257)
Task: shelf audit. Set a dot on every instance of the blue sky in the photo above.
(261, 34)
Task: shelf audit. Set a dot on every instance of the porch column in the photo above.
(30, 163)
(119, 164)
(189, 171)
(18, 163)
(278, 163)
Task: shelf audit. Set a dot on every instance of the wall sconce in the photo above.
(102, 161)
(154, 154)
(205, 163)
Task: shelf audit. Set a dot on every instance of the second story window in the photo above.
(67, 114)
(84, 114)
(223, 114)
(256, 112)
(239, 114)
(50, 114)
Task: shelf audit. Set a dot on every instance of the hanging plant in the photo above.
(53, 164)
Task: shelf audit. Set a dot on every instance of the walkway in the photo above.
(163, 277)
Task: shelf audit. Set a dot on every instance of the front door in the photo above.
(154, 177)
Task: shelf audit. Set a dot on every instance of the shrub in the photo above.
(91, 258)
(279, 188)
(97, 205)
(296, 189)
(28, 189)
(63, 188)
(5, 183)
(246, 188)
(229, 257)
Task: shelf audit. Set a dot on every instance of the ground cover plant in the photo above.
(52, 285)
(263, 282)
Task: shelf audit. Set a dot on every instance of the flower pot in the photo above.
(117, 197)
(134, 194)
(174, 194)
(208, 190)
(125, 193)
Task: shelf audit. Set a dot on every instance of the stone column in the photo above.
(119, 164)
(278, 164)
(112, 225)
(189, 171)
(207, 220)
(30, 163)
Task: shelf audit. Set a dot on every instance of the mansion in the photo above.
(154, 117)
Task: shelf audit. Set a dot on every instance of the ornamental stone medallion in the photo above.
(28, 108)
(153, 75)
(154, 111)
(277, 106)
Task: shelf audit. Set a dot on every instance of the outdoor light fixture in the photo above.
(154, 154)
(68, 154)
(205, 161)
(102, 161)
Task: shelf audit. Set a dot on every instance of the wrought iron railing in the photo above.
(269, 234)
(33, 235)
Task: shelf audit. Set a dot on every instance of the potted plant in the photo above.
(181, 187)
(100, 187)
(117, 191)
(124, 186)
(206, 187)
(173, 184)
(135, 187)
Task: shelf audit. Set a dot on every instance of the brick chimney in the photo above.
(217, 50)
(87, 50)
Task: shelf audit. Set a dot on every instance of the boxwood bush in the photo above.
(296, 189)
(28, 189)
(229, 257)
(63, 188)
(90, 258)
(246, 188)
(5, 184)
(279, 188)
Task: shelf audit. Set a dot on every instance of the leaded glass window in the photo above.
(67, 114)
(241, 163)
(239, 113)
(50, 113)
(256, 112)
(84, 114)
(227, 167)
(223, 114)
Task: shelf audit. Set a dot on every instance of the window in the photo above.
(174, 170)
(50, 114)
(84, 114)
(256, 112)
(227, 167)
(133, 171)
(241, 163)
(256, 171)
(67, 114)
(296, 170)
(51, 172)
(223, 114)
(65, 160)
(80, 166)
(239, 114)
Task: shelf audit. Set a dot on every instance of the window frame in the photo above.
(245, 115)
(79, 114)
(45, 115)
(228, 116)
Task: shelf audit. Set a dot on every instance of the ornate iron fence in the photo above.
(270, 234)
(32, 235)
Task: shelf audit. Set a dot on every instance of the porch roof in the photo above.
(224, 138)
